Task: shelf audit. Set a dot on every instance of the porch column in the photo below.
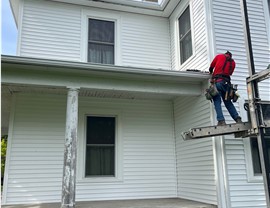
(70, 151)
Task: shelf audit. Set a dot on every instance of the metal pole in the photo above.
(256, 110)
(70, 153)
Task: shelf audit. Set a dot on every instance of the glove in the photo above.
(211, 69)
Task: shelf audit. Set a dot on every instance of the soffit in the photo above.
(141, 7)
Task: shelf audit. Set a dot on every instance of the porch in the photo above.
(138, 203)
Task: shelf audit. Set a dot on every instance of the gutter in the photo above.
(103, 68)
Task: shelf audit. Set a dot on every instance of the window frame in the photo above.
(183, 7)
(99, 145)
(81, 161)
(104, 16)
(251, 176)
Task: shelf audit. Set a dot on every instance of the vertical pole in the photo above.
(70, 152)
(256, 110)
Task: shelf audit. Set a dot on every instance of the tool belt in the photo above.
(231, 93)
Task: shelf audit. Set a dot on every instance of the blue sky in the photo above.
(8, 29)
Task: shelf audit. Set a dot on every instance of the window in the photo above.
(101, 41)
(254, 144)
(269, 6)
(185, 36)
(100, 146)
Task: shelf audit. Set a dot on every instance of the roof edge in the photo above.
(102, 68)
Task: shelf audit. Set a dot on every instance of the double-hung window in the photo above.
(100, 146)
(254, 144)
(101, 41)
(185, 36)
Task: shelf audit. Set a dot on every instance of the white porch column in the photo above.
(70, 152)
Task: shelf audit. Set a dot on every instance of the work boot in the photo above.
(221, 123)
(238, 120)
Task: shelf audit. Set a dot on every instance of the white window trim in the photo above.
(83, 113)
(100, 15)
(267, 18)
(183, 5)
(249, 164)
(252, 178)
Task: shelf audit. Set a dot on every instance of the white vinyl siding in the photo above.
(199, 59)
(145, 41)
(37, 144)
(50, 30)
(195, 159)
(229, 35)
(55, 31)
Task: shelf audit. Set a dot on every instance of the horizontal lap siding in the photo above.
(145, 41)
(36, 159)
(195, 160)
(148, 152)
(229, 35)
(51, 30)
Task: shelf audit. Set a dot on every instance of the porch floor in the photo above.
(138, 203)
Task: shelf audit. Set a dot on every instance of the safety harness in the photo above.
(223, 76)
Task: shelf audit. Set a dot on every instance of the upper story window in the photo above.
(101, 41)
(185, 36)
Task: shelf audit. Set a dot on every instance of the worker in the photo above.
(221, 68)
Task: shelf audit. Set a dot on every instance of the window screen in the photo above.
(185, 35)
(101, 41)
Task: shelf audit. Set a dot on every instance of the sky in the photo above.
(8, 30)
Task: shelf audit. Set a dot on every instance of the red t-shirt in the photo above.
(218, 64)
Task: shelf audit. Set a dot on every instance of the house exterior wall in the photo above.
(36, 145)
(59, 31)
(229, 35)
(195, 158)
(199, 59)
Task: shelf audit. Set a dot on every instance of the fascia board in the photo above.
(105, 70)
(163, 10)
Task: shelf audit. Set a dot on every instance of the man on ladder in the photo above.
(221, 68)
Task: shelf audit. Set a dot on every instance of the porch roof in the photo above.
(58, 74)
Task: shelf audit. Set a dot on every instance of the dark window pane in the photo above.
(254, 144)
(99, 53)
(101, 41)
(184, 23)
(99, 161)
(100, 30)
(100, 130)
(255, 156)
(186, 47)
(185, 36)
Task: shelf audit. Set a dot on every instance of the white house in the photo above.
(128, 61)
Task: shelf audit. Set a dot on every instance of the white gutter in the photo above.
(103, 68)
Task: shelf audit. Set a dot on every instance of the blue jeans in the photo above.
(222, 88)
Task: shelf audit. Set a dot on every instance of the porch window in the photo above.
(101, 41)
(185, 36)
(254, 144)
(100, 146)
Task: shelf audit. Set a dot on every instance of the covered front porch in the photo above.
(151, 109)
(138, 203)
